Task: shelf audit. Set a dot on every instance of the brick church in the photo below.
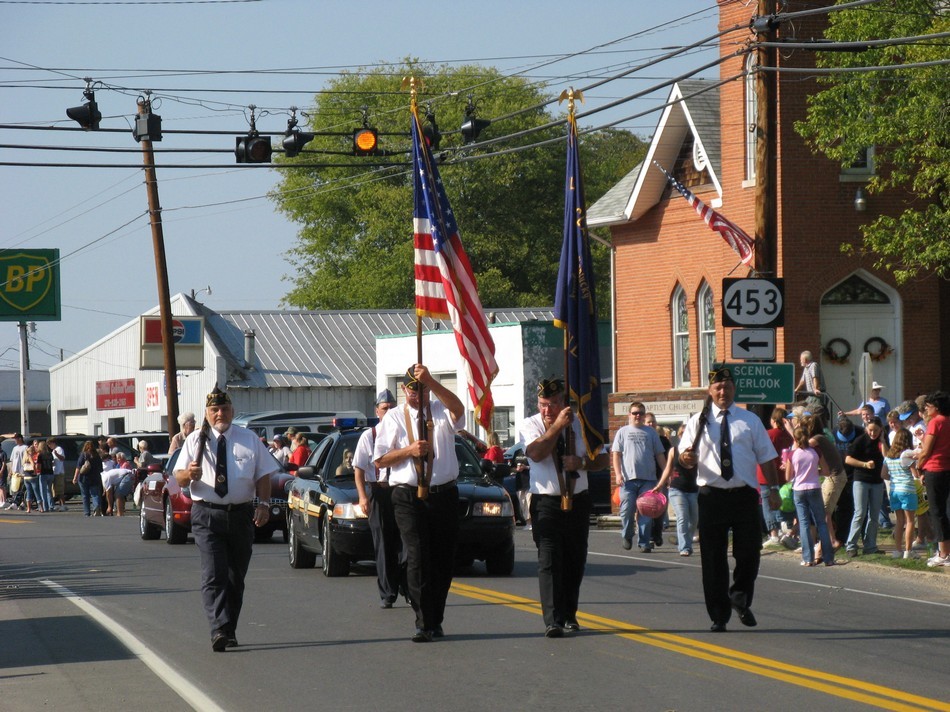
(669, 266)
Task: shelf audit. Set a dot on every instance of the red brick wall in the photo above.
(670, 246)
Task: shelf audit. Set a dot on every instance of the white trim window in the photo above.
(751, 117)
(706, 315)
(681, 364)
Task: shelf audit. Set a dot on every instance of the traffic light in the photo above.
(294, 141)
(430, 132)
(86, 115)
(365, 142)
(252, 148)
(472, 126)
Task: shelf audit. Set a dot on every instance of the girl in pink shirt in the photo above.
(802, 472)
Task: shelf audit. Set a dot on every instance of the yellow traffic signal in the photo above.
(365, 142)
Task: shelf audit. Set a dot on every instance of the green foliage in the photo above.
(903, 114)
(354, 247)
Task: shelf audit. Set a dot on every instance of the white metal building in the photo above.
(268, 360)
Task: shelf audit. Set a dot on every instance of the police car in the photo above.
(324, 518)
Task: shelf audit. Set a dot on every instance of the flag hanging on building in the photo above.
(445, 283)
(734, 235)
(575, 306)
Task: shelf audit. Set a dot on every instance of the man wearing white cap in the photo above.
(879, 404)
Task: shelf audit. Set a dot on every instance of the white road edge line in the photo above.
(182, 687)
(777, 578)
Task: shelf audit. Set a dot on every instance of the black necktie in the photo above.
(221, 469)
(725, 446)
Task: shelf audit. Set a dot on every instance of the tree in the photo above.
(354, 248)
(903, 115)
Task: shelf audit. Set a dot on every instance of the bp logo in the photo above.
(26, 279)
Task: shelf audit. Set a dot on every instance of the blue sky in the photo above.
(239, 248)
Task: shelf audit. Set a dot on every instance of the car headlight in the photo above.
(348, 510)
(493, 509)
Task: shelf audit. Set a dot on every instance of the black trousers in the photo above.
(722, 510)
(561, 538)
(224, 539)
(386, 541)
(429, 530)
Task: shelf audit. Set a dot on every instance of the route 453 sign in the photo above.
(753, 301)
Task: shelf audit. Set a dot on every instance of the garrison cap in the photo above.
(385, 396)
(409, 380)
(548, 388)
(217, 397)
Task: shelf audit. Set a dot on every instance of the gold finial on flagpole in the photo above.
(415, 86)
(571, 94)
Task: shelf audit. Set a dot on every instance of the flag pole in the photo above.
(570, 477)
(423, 464)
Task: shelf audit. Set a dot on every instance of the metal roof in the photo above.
(328, 349)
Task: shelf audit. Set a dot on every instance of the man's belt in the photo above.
(379, 484)
(432, 488)
(224, 507)
(706, 489)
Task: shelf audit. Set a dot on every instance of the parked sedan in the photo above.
(324, 518)
(166, 507)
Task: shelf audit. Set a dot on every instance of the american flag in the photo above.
(734, 235)
(445, 283)
(575, 306)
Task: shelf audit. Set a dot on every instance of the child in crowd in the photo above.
(901, 469)
(802, 471)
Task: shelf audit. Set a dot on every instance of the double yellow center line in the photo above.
(815, 680)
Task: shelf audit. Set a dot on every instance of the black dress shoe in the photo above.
(219, 642)
(232, 642)
(437, 632)
(718, 627)
(421, 636)
(745, 616)
(571, 625)
(554, 631)
(386, 604)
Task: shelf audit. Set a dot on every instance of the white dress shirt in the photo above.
(248, 461)
(750, 446)
(544, 478)
(391, 434)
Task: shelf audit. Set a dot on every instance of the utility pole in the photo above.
(766, 217)
(24, 374)
(161, 272)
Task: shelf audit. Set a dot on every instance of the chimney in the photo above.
(249, 356)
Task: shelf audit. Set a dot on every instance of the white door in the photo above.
(856, 314)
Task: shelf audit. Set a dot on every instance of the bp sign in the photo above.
(29, 285)
(764, 382)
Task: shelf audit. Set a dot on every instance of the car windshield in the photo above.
(470, 467)
(340, 464)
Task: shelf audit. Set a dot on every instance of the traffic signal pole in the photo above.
(161, 272)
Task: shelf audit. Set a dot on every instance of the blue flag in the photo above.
(575, 307)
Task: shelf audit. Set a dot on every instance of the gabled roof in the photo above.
(326, 349)
(692, 107)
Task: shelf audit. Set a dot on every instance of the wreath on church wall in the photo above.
(837, 351)
(877, 348)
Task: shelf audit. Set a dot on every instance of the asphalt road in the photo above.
(94, 618)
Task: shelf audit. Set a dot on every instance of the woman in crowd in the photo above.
(186, 424)
(300, 452)
(835, 479)
(684, 497)
(88, 476)
(494, 451)
(280, 450)
(43, 467)
(866, 457)
(900, 470)
(934, 462)
(31, 482)
(802, 471)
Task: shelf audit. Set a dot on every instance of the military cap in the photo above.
(385, 396)
(217, 397)
(548, 388)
